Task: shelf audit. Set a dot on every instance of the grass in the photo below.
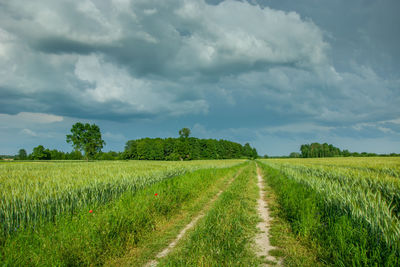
(35, 192)
(292, 249)
(333, 228)
(95, 238)
(168, 228)
(225, 236)
(324, 213)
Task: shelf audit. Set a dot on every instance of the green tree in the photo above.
(40, 153)
(74, 155)
(346, 153)
(22, 155)
(130, 150)
(189, 148)
(294, 155)
(86, 137)
(248, 151)
(57, 155)
(184, 132)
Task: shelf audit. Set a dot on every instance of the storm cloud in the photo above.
(248, 71)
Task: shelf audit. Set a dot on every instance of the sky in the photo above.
(274, 73)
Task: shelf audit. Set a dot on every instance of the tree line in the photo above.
(317, 150)
(87, 143)
(189, 148)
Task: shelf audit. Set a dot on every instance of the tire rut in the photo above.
(189, 226)
(262, 239)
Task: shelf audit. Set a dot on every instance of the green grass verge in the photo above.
(94, 238)
(225, 236)
(336, 237)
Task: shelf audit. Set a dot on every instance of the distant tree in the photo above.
(86, 137)
(192, 148)
(247, 150)
(22, 155)
(317, 150)
(294, 155)
(183, 148)
(254, 155)
(130, 150)
(40, 153)
(184, 132)
(57, 155)
(110, 155)
(266, 156)
(346, 153)
(169, 145)
(74, 155)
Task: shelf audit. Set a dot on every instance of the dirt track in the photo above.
(262, 238)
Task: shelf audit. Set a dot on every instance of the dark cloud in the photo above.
(61, 45)
(265, 70)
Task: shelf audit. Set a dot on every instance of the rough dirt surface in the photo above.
(262, 238)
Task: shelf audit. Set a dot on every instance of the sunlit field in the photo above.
(333, 211)
(33, 192)
(351, 205)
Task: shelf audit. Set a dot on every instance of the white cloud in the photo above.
(242, 34)
(180, 57)
(39, 117)
(385, 126)
(113, 83)
(184, 45)
(297, 128)
(114, 136)
(395, 121)
(29, 118)
(29, 132)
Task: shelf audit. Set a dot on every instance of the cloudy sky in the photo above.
(275, 73)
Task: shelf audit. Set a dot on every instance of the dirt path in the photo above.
(262, 238)
(189, 226)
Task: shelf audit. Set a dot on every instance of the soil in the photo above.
(262, 238)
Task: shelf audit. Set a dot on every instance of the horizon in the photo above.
(274, 74)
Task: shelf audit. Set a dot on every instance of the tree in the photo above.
(294, 155)
(317, 150)
(184, 132)
(74, 155)
(22, 155)
(248, 151)
(189, 148)
(346, 153)
(57, 155)
(86, 137)
(39, 153)
(130, 150)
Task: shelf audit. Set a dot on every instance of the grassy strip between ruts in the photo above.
(336, 237)
(94, 238)
(225, 236)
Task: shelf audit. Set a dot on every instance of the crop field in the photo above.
(39, 191)
(351, 206)
(330, 211)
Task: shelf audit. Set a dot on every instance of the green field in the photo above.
(348, 207)
(330, 211)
